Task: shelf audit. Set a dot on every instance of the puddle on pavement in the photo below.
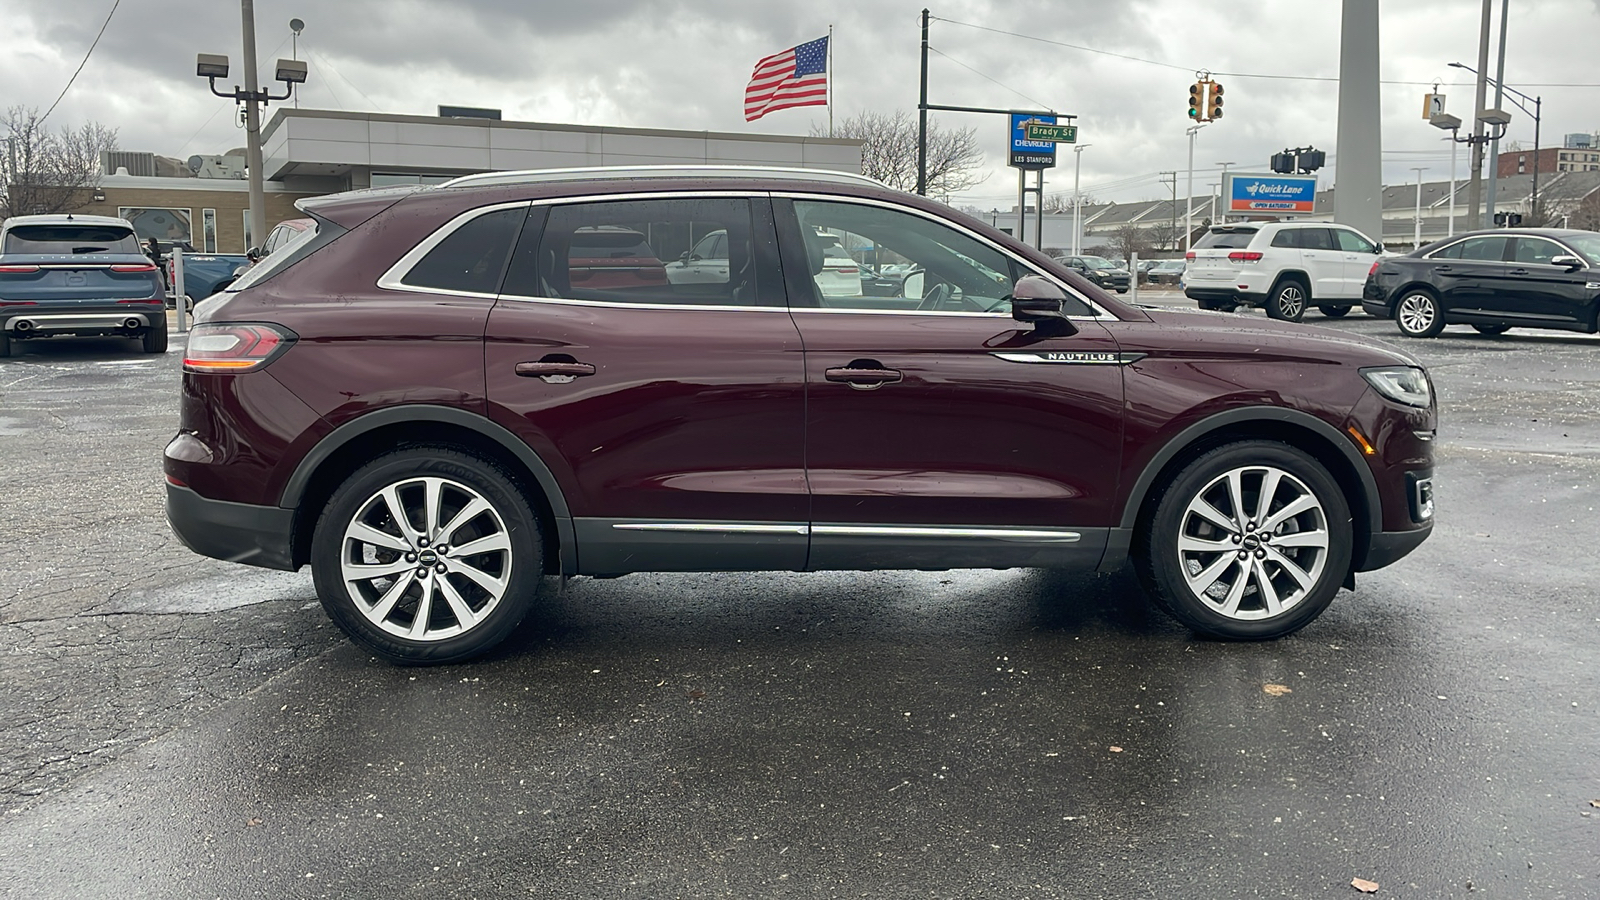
(212, 594)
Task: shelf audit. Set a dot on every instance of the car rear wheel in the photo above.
(1334, 312)
(155, 336)
(1251, 541)
(1492, 330)
(1288, 302)
(428, 555)
(1417, 315)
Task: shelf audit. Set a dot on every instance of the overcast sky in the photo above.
(667, 64)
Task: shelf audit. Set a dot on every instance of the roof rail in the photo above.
(537, 176)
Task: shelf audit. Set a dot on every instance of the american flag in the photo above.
(796, 77)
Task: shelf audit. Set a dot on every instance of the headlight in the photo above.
(1402, 384)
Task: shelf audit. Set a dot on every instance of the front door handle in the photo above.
(1442, 268)
(555, 371)
(1519, 271)
(863, 374)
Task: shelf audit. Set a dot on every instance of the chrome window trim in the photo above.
(581, 173)
(610, 304)
(394, 278)
(1100, 313)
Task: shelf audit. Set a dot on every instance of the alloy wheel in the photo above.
(426, 558)
(1253, 543)
(1416, 313)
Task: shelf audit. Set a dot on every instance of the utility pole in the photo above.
(922, 123)
(1188, 200)
(1494, 144)
(1416, 218)
(1358, 201)
(252, 128)
(1475, 180)
(1077, 199)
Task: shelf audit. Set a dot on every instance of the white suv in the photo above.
(1283, 266)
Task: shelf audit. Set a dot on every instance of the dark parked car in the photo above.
(1101, 272)
(205, 274)
(1167, 271)
(423, 404)
(1493, 281)
(66, 275)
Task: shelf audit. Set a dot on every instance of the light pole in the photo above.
(212, 66)
(1536, 113)
(1217, 212)
(1450, 229)
(1416, 217)
(1077, 198)
(1188, 200)
(296, 26)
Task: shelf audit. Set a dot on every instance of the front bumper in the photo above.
(1386, 547)
(236, 532)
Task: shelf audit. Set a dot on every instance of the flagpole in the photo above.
(830, 79)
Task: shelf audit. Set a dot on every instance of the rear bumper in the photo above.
(236, 532)
(119, 319)
(1226, 295)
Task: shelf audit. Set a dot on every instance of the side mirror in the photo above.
(1039, 302)
(911, 285)
(1572, 263)
(684, 256)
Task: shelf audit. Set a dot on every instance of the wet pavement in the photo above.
(179, 727)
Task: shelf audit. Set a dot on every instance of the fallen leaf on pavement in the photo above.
(253, 823)
(1277, 690)
(1116, 749)
(1364, 886)
(1595, 803)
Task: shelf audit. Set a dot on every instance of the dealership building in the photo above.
(309, 152)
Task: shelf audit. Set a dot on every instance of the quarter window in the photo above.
(694, 251)
(472, 258)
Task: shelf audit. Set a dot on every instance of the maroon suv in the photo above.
(421, 398)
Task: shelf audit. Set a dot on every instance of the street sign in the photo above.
(1245, 194)
(1432, 105)
(1031, 154)
(1055, 134)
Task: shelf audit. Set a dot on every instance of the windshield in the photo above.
(1588, 244)
(1097, 262)
(68, 239)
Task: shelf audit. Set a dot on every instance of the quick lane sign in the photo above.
(1029, 154)
(1270, 193)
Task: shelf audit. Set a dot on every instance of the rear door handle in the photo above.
(1442, 268)
(1519, 271)
(863, 376)
(555, 371)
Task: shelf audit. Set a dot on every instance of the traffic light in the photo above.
(1214, 104)
(1196, 100)
(1312, 160)
(1283, 163)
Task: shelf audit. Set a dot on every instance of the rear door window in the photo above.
(1488, 248)
(67, 240)
(1315, 239)
(1233, 239)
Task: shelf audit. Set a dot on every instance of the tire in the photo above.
(1492, 330)
(1417, 315)
(1258, 596)
(1122, 290)
(1288, 301)
(473, 602)
(155, 337)
(1217, 305)
(1334, 312)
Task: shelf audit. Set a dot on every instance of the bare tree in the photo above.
(889, 151)
(1129, 239)
(1164, 235)
(48, 172)
(1584, 214)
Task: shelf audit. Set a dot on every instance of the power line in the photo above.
(1008, 87)
(85, 62)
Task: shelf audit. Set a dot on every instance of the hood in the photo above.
(1257, 335)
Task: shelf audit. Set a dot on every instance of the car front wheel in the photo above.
(1288, 302)
(1492, 330)
(1417, 315)
(427, 555)
(1250, 542)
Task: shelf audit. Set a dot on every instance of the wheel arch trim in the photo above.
(1185, 439)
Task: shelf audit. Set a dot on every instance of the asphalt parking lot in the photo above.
(180, 727)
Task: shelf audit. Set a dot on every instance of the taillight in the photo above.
(1189, 255)
(19, 303)
(234, 347)
(18, 270)
(1373, 269)
(1244, 256)
(134, 267)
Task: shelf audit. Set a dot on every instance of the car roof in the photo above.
(66, 219)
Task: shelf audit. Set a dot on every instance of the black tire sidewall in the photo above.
(1333, 310)
(497, 486)
(154, 339)
(1158, 560)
